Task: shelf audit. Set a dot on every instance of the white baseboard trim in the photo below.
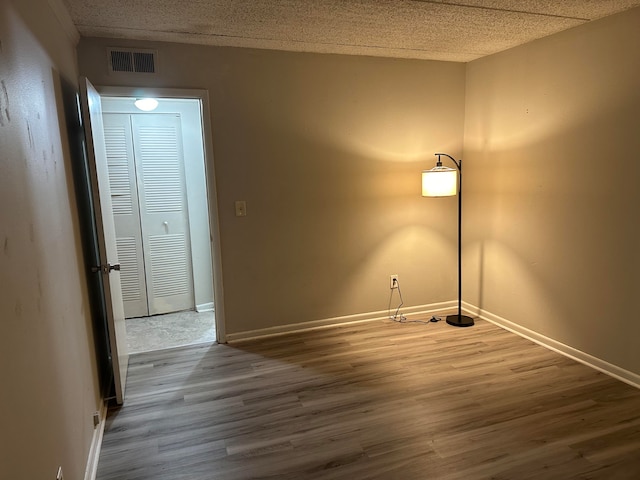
(204, 307)
(614, 371)
(409, 312)
(442, 308)
(96, 444)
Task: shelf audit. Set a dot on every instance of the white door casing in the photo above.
(204, 130)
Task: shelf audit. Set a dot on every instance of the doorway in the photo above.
(158, 174)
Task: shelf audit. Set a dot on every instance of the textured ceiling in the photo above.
(459, 31)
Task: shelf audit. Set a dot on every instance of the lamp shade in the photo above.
(439, 182)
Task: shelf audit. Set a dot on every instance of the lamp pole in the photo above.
(458, 320)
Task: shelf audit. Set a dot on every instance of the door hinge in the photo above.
(105, 268)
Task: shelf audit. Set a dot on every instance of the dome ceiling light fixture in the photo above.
(146, 104)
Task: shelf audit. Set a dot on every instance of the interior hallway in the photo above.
(159, 332)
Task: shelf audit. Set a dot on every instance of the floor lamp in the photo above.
(443, 182)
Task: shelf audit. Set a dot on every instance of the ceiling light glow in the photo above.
(146, 104)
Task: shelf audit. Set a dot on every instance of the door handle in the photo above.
(106, 268)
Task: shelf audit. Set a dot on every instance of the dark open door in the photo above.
(108, 267)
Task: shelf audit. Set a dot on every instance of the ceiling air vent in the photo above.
(132, 60)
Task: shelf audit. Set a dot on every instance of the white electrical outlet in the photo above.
(393, 281)
(59, 475)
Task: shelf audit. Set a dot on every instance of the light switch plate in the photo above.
(241, 208)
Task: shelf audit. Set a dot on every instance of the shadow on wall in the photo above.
(350, 222)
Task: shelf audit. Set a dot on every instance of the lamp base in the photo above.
(460, 320)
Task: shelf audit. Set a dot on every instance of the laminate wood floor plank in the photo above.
(378, 400)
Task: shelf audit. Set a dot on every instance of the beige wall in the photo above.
(327, 152)
(551, 147)
(47, 361)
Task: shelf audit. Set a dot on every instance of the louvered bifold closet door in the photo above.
(164, 213)
(124, 200)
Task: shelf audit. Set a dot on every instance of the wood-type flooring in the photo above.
(376, 400)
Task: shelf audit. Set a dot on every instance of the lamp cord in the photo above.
(394, 317)
(402, 318)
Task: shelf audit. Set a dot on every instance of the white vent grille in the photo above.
(132, 60)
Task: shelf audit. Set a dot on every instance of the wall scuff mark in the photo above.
(5, 117)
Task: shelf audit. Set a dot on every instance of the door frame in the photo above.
(209, 166)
